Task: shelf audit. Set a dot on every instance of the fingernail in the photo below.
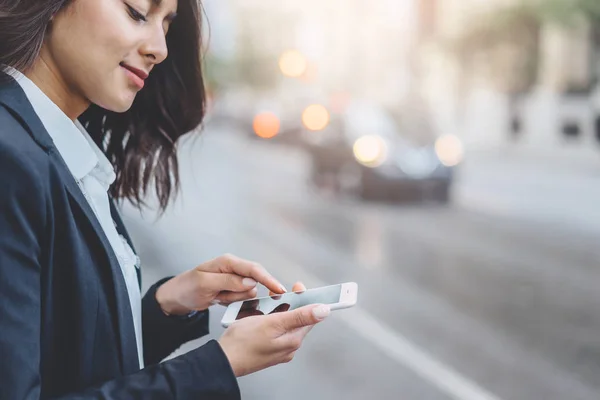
(283, 288)
(321, 312)
(215, 301)
(249, 282)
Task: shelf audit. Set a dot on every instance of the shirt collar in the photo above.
(74, 147)
(104, 170)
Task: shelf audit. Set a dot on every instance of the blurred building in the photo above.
(358, 47)
(490, 103)
(399, 54)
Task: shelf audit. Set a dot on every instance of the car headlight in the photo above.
(370, 150)
(449, 150)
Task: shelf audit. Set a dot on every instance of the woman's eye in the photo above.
(134, 14)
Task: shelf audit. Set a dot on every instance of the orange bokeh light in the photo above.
(266, 125)
(315, 117)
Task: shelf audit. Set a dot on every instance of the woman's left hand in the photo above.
(223, 280)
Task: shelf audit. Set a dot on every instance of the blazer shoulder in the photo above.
(20, 156)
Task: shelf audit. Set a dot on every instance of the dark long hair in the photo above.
(141, 142)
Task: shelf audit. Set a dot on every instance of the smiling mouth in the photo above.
(136, 76)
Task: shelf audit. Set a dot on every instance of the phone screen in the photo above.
(290, 301)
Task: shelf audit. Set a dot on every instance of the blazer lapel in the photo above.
(116, 216)
(128, 345)
(13, 97)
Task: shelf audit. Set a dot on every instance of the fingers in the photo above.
(301, 332)
(229, 264)
(289, 357)
(258, 342)
(298, 287)
(228, 282)
(293, 341)
(301, 317)
(226, 298)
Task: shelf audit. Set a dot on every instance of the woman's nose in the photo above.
(155, 46)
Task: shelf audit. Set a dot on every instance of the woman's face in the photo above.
(103, 49)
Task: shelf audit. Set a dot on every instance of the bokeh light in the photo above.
(449, 150)
(293, 64)
(266, 125)
(370, 150)
(315, 117)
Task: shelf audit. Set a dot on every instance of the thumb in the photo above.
(302, 317)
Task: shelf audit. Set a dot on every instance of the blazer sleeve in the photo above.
(163, 334)
(204, 373)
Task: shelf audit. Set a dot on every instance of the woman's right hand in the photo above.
(258, 342)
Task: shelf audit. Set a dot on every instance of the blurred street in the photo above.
(494, 296)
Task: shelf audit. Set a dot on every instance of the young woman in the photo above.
(94, 95)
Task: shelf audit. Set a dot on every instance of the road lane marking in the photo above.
(397, 347)
(394, 345)
(400, 349)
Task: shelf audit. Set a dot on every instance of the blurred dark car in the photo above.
(408, 173)
(365, 152)
(264, 115)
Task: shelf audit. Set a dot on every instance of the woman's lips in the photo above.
(135, 75)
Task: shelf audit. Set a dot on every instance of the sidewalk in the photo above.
(541, 187)
(566, 160)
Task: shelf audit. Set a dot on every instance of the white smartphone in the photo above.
(337, 297)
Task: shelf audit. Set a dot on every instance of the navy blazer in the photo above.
(66, 330)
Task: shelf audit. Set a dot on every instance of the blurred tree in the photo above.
(569, 12)
(217, 72)
(253, 66)
(505, 36)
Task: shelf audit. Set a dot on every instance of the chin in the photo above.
(122, 108)
(120, 105)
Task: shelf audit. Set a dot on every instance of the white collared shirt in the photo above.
(94, 174)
